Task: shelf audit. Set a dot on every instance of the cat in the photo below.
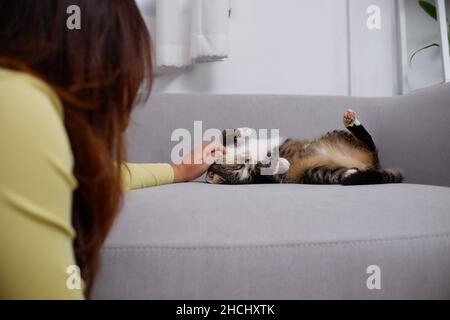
(338, 157)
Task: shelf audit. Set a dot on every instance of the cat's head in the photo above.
(238, 171)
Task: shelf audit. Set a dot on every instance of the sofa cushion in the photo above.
(199, 241)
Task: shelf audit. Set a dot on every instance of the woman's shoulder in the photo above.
(31, 120)
(17, 86)
(36, 166)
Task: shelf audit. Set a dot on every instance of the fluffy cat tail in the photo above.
(374, 177)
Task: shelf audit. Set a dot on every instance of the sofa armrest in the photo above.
(413, 133)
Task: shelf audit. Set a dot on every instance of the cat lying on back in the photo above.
(338, 157)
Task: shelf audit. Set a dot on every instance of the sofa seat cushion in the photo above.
(200, 241)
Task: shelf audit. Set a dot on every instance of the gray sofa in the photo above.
(199, 241)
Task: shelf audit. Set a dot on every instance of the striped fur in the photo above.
(338, 157)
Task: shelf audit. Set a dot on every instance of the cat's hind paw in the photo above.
(350, 118)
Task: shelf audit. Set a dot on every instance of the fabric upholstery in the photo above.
(198, 241)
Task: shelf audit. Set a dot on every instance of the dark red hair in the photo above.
(97, 72)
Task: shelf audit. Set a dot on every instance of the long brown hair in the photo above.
(97, 72)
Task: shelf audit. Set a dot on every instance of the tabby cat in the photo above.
(339, 157)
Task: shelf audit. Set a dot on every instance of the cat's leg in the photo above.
(353, 125)
(346, 176)
(373, 176)
(271, 169)
(274, 165)
(326, 175)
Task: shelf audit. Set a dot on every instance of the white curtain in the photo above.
(191, 31)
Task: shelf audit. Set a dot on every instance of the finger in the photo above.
(218, 154)
(208, 147)
(219, 146)
(213, 157)
(209, 160)
(215, 145)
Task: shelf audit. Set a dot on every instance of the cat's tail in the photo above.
(374, 177)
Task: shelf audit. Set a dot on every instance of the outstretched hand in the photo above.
(198, 161)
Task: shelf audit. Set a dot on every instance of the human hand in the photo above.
(198, 161)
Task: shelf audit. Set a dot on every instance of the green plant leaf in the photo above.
(428, 8)
(448, 33)
(424, 48)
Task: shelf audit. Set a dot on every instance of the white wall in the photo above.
(373, 52)
(283, 46)
(309, 47)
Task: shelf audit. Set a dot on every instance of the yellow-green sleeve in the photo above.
(144, 175)
(36, 186)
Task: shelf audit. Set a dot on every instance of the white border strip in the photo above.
(442, 18)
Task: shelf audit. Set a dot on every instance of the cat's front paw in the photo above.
(275, 166)
(350, 118)
(283, 165)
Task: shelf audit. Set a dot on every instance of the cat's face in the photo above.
(229, 174)
(239, 172)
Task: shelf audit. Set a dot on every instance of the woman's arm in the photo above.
(138, 176)
(198, 161)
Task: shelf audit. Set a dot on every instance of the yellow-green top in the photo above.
(36, 186)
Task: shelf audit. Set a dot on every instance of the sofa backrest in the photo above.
(412, 131)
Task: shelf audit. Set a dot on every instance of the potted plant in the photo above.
(430, 9)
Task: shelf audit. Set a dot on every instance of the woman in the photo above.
(65, 102)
